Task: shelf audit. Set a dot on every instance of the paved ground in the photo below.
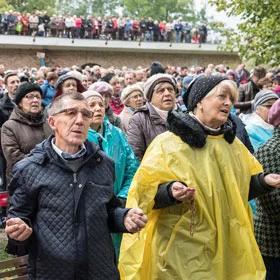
(3, 242)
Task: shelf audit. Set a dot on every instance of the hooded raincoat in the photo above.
(114, 143)
(223, 245)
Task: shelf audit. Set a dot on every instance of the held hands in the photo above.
(272, 180)
(181, 192)
(17, 229)
(135, 220)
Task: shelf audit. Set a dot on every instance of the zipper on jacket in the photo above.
(75, 177)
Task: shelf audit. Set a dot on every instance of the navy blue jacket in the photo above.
(72, 214)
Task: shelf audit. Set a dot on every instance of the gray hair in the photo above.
(58, 103)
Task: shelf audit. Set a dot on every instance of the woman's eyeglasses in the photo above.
(30, 97)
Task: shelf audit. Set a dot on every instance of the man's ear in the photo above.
(51, 122)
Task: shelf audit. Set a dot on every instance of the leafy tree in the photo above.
(4, 6)
(160, 9)
(32, 5)
(84, 7)
(258, 35)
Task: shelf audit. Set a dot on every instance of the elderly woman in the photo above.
(26, 126)
(114, 143)
(266, 219)
(257, 126)
(150, 120)
(133, 98)
(106, 90)
(69, 83)
(194, 183)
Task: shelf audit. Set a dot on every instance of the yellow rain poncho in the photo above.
(223, 245)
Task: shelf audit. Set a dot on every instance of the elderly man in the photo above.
(248, 91)
(150, 120)
(256, 123)
(129, 78)
(62, 206)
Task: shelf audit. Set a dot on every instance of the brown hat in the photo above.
(155, 80)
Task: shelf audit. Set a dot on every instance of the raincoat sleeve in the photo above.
(131, 165)
(169, 247)
(134, 260)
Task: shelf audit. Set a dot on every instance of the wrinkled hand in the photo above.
(181, 192)
(135, 220)
(272, 180)
(17, 229)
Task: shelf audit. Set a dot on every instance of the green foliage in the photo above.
(160, 9)
(85, 7)
(32, 5)
(258, 34)
(4, 6)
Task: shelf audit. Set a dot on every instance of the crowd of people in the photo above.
(110, 28)
(185, 159)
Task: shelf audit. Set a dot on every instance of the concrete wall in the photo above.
(18, 51)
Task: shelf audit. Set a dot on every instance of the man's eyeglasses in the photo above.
(73, 112)
(30, 97)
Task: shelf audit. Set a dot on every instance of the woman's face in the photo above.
(136, 100)
(97, 106)
(214, 110)
(69, 86)
(116, 86)
(164, 96)
(31, 103)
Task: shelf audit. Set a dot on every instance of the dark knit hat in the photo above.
(155, 80)
(156, 67)
(24, 89)
(199, 88)
(108, 77)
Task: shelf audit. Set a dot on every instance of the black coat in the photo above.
(6, 108)
(72, 214)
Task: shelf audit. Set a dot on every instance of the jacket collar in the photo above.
(192, 133)
(44, 152)
(154, 115)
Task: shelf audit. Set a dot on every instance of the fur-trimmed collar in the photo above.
(193, 133)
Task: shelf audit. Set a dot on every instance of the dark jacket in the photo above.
(6, 108)
(266, 219)
(143, 127)
(247, 93)
(241, 133)
(19, 135)
(71, 213)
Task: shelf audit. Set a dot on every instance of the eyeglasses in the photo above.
(73, 112)
(136, 96)
(30, 97)
(161, 90)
